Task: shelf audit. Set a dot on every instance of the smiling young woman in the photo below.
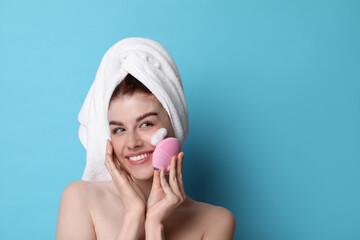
(138, 202)
(134, 116)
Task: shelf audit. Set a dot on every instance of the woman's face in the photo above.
(132, 121)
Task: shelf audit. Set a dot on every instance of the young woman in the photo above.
(135, 201)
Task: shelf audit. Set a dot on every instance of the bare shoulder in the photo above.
(220, 222)
(86, 190)
(211, 211)
(85, 193)
(76, 187)
(78, 191)
(74, 212)
(74, 191)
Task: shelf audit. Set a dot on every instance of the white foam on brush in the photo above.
(158, 136)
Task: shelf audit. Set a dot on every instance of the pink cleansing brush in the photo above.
(165, 149)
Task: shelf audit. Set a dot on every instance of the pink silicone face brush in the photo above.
(165, 149)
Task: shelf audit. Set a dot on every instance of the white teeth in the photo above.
(137, 158)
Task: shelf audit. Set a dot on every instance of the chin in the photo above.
(142, 173)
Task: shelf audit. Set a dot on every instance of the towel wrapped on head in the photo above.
(150, 63)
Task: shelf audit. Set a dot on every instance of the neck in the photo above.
(145, 186)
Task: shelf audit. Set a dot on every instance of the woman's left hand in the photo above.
(164, 198)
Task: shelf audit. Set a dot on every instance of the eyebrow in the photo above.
(137, 119)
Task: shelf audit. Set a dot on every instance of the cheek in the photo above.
(118, 146)
(147, 135)
(170, 130)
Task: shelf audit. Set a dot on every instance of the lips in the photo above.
(139, 153)
(139, 162)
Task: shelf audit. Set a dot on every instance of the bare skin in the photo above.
(138, 203)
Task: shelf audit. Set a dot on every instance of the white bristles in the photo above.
(158, 136)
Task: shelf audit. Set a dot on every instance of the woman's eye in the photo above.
(117, 130)
(147, 123)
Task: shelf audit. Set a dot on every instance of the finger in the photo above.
(109, 168)
(117, 164)
(179, 173)
(109, 146)
(126, 185)
(111, 150)
(107, 164)
(122, 170)
(108, 154)
(106, 150)
(165, 186)
(179, 163)
(120, 176)
(111, 158)
(124, 174)
(173, 177)
(115, 159)
(114, 171)
(156, 180)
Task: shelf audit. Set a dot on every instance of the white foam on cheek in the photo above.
(158, 136)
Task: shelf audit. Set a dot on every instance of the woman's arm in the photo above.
(130, 228)
(74, 220)
(154, 230)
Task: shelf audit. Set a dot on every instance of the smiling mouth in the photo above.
(139, 157)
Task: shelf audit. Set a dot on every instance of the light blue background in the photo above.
(273, 96)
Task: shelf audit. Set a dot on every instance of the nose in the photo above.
(133, 140)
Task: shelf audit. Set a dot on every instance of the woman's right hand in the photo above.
(132, 196)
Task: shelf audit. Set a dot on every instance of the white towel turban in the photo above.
(150, 63)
